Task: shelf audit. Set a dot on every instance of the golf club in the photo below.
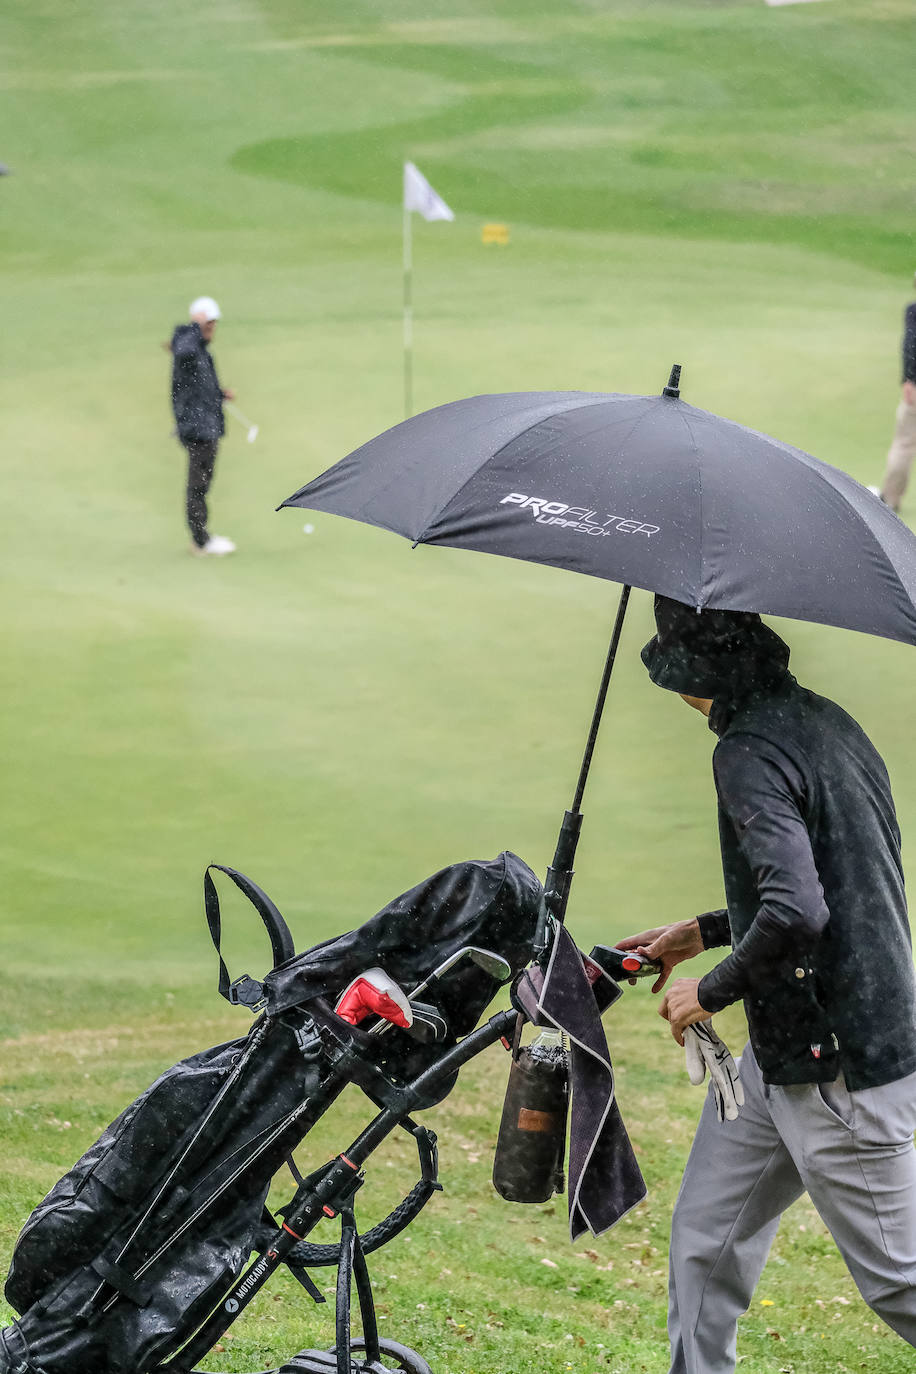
(242, 420)
(493, 964)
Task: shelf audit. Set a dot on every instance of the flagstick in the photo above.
(408, 315)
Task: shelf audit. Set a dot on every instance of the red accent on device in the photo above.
(631, 964)
(329, 1211)
(291, 1231)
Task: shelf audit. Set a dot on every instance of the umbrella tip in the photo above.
(674, 382)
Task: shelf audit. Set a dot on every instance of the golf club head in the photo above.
(491, 963)
(494, 964)
(252, 433)
(429, 1025)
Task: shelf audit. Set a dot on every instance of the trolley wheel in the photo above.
(408, 1361)
(396, 1359)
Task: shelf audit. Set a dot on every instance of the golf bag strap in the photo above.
(245, 989)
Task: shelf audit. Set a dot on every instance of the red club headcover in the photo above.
(374, 993)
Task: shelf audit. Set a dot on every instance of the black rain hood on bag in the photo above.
(713, 653)
(491, 903)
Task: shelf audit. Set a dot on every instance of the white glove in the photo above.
(705, 1051)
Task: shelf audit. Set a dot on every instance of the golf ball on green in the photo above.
(308, 529)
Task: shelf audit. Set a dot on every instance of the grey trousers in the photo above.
(851, 1152)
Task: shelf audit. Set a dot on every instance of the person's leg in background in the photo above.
(739, 1180)
(900, 456)
(201, 462)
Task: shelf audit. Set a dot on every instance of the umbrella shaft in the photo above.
(602, 696)
(560, 873)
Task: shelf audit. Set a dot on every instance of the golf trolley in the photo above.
(330, 1191)
(143, 1256)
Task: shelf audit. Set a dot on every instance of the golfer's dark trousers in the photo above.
(201, 461)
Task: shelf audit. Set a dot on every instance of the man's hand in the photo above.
(228, 394)
(680, 1007)
(666, 945)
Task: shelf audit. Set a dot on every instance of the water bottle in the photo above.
(528, 1164)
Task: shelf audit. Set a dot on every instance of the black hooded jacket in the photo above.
(197, 398)
(816, 914)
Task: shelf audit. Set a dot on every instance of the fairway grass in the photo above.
(723, 185)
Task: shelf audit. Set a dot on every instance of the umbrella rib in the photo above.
(702, 555)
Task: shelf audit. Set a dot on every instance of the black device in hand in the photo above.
(621, 963)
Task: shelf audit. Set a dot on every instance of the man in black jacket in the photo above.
(197, 403)
(821, 957)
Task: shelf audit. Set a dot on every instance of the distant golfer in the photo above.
(821, 957)
(197, 403)
(903, 446)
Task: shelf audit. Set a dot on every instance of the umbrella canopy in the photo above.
(644, 490)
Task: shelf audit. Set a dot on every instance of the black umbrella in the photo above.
(643, 490)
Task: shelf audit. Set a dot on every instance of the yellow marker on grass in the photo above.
(495, 233)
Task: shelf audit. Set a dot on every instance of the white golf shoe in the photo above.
(217, 545)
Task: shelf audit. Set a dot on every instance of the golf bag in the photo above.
(144, 1242)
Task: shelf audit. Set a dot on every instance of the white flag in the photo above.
(420, 196)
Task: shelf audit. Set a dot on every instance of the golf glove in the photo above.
(705, 1051)
(374, 992)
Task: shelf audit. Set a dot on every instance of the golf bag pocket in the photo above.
(528, 1164)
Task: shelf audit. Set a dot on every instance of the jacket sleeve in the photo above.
(909, 344)
(762, 793)
(714, 929)
(186, 340)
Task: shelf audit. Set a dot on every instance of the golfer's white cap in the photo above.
(205, 305)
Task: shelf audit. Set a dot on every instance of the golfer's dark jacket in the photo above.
(817, 917)
(197, 399)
